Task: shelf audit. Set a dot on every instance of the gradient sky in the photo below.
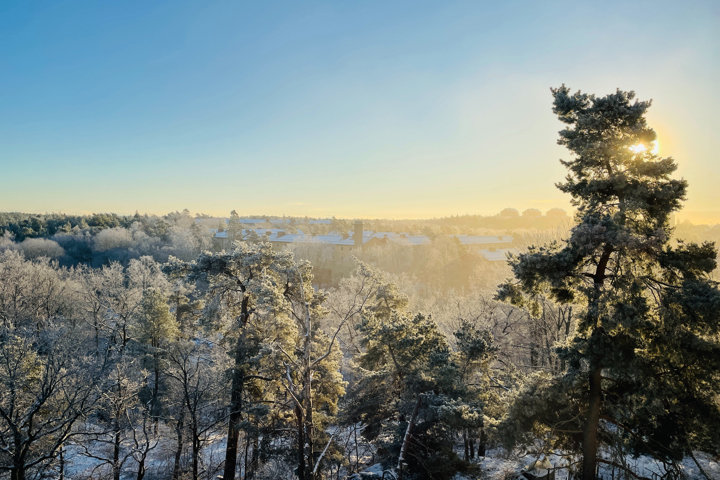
(404, 109)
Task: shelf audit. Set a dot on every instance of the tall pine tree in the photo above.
(644, 363)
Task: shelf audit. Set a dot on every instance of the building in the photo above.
(491, 248)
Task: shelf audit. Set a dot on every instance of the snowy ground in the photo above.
(497, 465)
(159, 463)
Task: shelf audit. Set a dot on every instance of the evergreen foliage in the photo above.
(411, 375)
(644, 363)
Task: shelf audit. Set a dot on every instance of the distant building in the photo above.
(491, 248)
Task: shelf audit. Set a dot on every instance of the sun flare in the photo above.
(641, 148)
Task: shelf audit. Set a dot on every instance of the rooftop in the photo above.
(277, 235)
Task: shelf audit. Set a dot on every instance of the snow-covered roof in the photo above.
(347, 239)
(482, 239)
(410, 239)
(249, 221)
(496, 255)
(331, 239)
(247, 231)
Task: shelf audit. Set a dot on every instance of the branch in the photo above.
(623, 468)
(317, 464)
(698, 464)
(257, 377)
(498, 383)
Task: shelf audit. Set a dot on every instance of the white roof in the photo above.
(246, 231)
(499, 255)
(411, 239)
(482, 239)
(332, 239)
(248, 221)
(400, 238)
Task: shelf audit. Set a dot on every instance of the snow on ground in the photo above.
(160, 459)
(498, 465)
(373, 472)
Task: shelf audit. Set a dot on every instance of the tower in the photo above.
(358, 234)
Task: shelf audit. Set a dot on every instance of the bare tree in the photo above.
(197, 385)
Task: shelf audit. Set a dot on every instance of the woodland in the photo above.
(129, 349)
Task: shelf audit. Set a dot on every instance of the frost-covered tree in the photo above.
(234, 227)
(263, 301)
(32, 292)
(417, 393)
(644, 363)
(196, 390)
(41, 247)
(108, 438)
(47, 384)
(243, 284)
(156, 329)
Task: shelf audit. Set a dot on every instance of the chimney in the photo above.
(358, 235)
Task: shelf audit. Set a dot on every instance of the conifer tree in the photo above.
(157, 328)
(644, 362)
(254, 284)
(234, 227)
(417, 393)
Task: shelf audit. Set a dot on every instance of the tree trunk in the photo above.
(309, 454)
(301, 442)
(255, 459)
(18, 469)
(17, 473)
(590, 437)
(156, 392)
(238, 381)
(406, 440)
(116, 452)
(195, 450)
(62, 462)
(97, 337)
(482, 443)
(178, 452)
(247, 458)
(141, 469)
(590, 433)
(466, 457)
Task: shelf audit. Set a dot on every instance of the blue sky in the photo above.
(354, 109)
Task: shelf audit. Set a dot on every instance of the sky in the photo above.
(394, 109)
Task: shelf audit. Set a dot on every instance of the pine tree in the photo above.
(157, 328)
(260, 292)
(234, 227)
(417, 394)
(644, 363)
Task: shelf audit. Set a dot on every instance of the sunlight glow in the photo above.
(641, 148)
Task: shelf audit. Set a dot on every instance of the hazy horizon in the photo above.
(410, 110)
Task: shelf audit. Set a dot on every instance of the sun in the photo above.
(641, 148)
